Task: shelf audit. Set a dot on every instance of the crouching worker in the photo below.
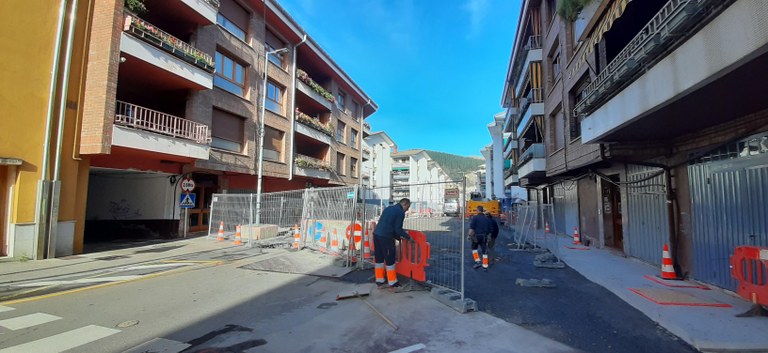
(389, 229)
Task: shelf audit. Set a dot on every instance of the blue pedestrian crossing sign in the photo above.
(187, 200)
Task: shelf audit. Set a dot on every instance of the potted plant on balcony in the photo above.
(136, 6)
(304, 77)
(570, 9)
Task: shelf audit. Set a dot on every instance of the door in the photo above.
(199, 216)
(613, 211)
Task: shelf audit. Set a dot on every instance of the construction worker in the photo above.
(492, 238)
(389, 228)
(479, 230)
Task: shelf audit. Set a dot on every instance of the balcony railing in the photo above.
(308, 162)
(535, 150)
(214, 3)
(534, 42)
(141, 118)
(304, 77)
(326, 128)
(645, 49)
(149, 33)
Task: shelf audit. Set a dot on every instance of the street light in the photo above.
(261, 130)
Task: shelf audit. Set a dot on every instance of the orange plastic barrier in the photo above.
(748, 266)
(412, 256)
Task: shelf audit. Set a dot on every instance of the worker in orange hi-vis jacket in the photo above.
(389, 228)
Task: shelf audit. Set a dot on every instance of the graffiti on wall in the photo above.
(122, 210)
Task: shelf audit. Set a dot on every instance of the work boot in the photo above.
(476, 266)
(382, 285)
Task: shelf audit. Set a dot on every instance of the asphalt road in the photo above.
(577, 312)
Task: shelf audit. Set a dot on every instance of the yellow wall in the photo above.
(27, 36)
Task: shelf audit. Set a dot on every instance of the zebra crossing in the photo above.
(59, 342)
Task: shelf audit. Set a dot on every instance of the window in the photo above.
(230, 75)
(272, 43)
(353, 137)
(340, 132)
(273, 144)
(340, 163)
(578, 94)
(233, 18)
(552, 8)
(557, 129)
(354, 110)
(556, 67)
(353, 167)
(340, 101)
(274, 100)
(227, 131)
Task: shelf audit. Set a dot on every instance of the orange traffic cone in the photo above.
(220, 237)
(296, 237)
(576, 238)
(237, 236)
(667, 271)
(367, 245)
(323, 240)
(334, 243)
(546, 227)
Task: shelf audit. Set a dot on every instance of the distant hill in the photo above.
(454, 165)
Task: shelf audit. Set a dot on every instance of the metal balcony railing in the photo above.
(535, 150)
(534, 42)
(214, 3)
(307, 162)
(666, 28)
(141, 118)
(149, 33)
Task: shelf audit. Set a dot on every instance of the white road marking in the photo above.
(159, 345)
(79, 281)
(63, 341)
(18, 323)
(408, 349)
(142, 267)
(5, 308)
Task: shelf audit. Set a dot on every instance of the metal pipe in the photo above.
(261, 130)
(293, 109)
(52, 91)
(463, 210)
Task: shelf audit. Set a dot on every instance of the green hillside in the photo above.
(456, 166)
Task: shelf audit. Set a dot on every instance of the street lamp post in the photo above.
(267, 53)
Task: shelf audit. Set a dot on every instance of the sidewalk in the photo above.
(709, 329)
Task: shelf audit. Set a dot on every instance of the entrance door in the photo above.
(200, 215)
(614, 232)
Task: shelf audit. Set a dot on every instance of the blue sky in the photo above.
(435, 68)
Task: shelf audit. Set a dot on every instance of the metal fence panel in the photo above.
(648, 227)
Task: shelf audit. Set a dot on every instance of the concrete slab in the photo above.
(301, 262)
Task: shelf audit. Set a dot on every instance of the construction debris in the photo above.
(548, 260)
(542, 283)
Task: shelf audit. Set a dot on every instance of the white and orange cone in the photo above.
(576, 237)
(667, 270)
(296, 237)
(237, 236)
(546, 227)
(220, 236)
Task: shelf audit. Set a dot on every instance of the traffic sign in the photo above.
(187, 200)
(187, 184)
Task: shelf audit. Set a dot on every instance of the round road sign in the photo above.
(187, 184)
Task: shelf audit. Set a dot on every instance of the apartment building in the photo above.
(378, 168)
(416, 176)
(158, 92)
(44, 57)
(662, 135)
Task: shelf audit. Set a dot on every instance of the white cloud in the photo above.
(477, 10)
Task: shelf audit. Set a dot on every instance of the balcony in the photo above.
(666, 29)
(206, 8)
(314, 90)
(312, 167)
(146, 42)
(532, 161)
(532, 105)
(146, 129)
(510, 146)
(312, 127)
(531, 52)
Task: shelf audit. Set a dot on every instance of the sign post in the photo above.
(187, 201)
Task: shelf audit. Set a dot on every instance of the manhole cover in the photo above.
(128, 323)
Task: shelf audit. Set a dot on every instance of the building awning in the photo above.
(10, 161)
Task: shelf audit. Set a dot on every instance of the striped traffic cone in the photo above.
(220, 236)
(237, 236)
(546, 227)
(576, 237)
(323, 240)
(335, 243)
(367, 245)
(296, 237)
(667, 270)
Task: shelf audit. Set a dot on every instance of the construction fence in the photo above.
(535, 227)
(339, 222)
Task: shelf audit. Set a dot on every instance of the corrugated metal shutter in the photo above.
(728, 199)
(647, 218)
(566, 204)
